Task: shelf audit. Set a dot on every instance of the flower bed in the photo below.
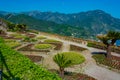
(76, 48)
(35, 58)
(30, 35)
(51, 41)
(42, 46)
(29, 48)
(114, 63)
(58, 45)
(16, 35)
(41, 37)
(12, 43)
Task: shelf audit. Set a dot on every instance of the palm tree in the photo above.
(62, 62)
(109, 40)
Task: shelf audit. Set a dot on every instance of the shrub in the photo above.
(43, 46)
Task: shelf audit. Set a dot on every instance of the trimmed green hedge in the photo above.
(18, 67)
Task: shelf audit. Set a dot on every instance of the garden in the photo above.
(36, 49)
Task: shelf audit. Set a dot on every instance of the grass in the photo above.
(11, 43)
(28, 39)
(9, 40)
(16, 35)
(51, 41)
(41, 37)
(75, 57)
(43, 46)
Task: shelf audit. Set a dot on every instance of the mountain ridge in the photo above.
(92, 22)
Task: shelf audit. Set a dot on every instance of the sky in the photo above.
(63, 6)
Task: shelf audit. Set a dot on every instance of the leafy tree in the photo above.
(67, 59)
(62, 62)
(109, 39)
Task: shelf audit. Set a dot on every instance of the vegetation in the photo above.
(67, 59)
(48, 26)
(51, 41)
(12, 43)
(18, 67)
(41, 37)
(101, 59)
(76, 48)
(28, 39)
(43, 46)
(16, 35)
(109, 39)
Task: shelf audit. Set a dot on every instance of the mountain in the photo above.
(84, 24)
(46, 26)
(96, 21)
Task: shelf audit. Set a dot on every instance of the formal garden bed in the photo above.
(43, 46)
(113, 63)
(16, 35)
(28, 39)
(41, 37)
(58, 44)
(51, 41)
(35, 58)
(12, 43)
(29, 48)
(76, 48)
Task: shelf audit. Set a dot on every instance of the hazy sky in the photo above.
(63, 6)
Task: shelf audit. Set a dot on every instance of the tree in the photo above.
(62, 62)
(66, 59)
(109, 40)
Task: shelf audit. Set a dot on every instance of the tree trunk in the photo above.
(108, 51)
(61, 72)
